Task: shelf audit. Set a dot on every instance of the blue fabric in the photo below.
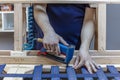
(67, 20)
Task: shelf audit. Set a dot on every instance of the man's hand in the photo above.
(51, 41)
(84, 59)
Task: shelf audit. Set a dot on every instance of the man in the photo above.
(67, 24)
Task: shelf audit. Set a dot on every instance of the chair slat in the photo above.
(101, 75)
(37, 74)
(55, 70)
(84, 71)
(71, 73)
(112, 69)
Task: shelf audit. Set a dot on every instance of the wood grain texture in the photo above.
(101, 16)
(56, 1)
(108, 57)
(61, 1)
(18, 27)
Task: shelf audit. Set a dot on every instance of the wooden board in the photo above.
(101, 27)
(56, 1)
(18, 27)
(108, 57)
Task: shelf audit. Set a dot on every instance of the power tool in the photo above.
(66, 51)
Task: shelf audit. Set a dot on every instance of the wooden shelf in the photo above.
(6, 11)
(6, 30)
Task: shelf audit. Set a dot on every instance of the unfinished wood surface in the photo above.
(11, 69)
(17, 69)
(18, 27)
(101, 24)
(56, 1)
(108, 57)
(24, 29)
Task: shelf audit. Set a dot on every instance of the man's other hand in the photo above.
(84, 59)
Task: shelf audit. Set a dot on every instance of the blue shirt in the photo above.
(67, 21)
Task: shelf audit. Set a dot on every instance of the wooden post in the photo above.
(101, 27)
(18, 27)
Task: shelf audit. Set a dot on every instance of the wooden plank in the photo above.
(42, 60)
(96, 30)
(108, 57)
(71, 74)
(92, 52)
(112, 69)
(55, 1)
(12, 69)
(55, 70)
(101, 11)
(84, 71)
(61, 1)
(37, 74)
(5, 52)
(101, 75)
(24, 29)
(18, 27)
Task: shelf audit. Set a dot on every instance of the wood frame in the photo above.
(61, 1)
(101, 56)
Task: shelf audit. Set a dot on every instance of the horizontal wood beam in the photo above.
(60, 1)
(45, 61)
(92, 52)
(108, 57)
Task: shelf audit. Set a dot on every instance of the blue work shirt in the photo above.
(67, 21)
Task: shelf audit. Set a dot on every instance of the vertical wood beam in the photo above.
(18, 23)
(101, 27)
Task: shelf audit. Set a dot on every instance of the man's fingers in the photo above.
(87, 65)
(96, 65)
(49, 47)
(45, 46)
(76, 62)
(63, 41)
(57, 49)
(79, 65)
(93, 67)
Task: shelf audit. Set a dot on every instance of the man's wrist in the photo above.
(49, 33)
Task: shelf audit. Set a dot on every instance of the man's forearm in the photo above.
(88, 29)
(42, 18)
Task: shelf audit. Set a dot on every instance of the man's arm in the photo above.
(50, 39)
(83, 57)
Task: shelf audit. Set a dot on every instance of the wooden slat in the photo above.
(84, 71)
(101, 75)
(61, 1)
(12, 70)
(38, 60)
(55, 1)
(37, 74)
(101, 16)
(108, 57)
(92, 52)
(55, 70)
(18, 27)
(112, 69)
(71, 74)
